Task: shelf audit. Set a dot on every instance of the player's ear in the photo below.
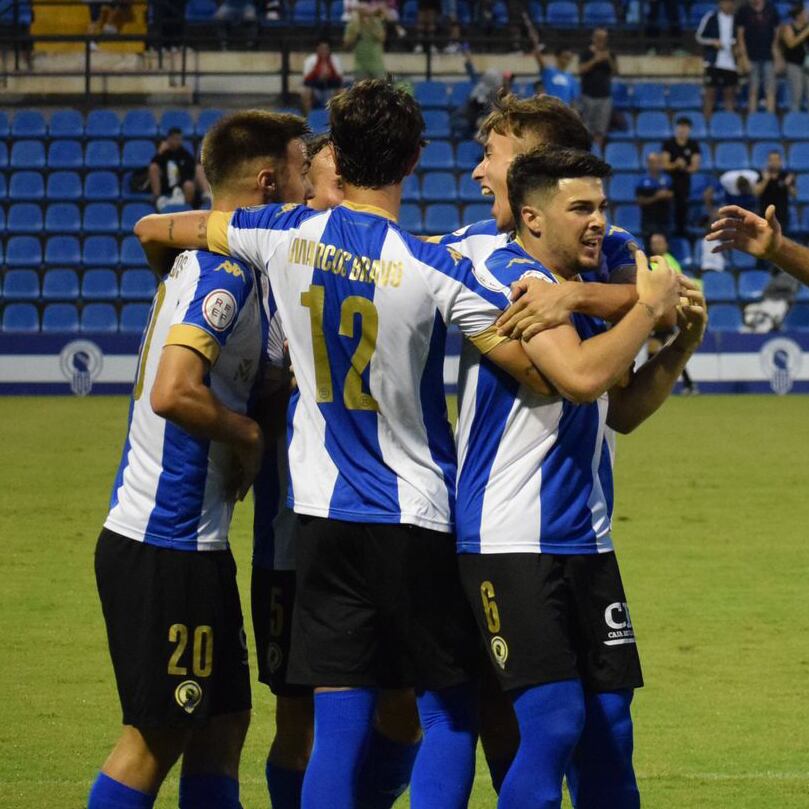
(267, 184)
(533, 220)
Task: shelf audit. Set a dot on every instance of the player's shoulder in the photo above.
(616, 239)
(278, 216)
(486, 227)
(511, 262)
(434, 254)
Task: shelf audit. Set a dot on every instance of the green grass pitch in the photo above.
(712, 506)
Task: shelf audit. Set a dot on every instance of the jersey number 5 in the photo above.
(354, 397)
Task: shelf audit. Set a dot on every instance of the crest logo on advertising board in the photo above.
(781, 361)
(81, 362)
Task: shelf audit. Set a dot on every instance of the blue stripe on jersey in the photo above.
(267, 499)
(615, 254)
(119, 475)
(294, 400)
(494, 399)
(434, 409)
(605, 476)
(278, 216)
(351, 434)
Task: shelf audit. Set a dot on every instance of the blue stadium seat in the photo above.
(23, 251)
(101, 186)
(598, 13)
(139, 124)
(437, 155)
(66, 124)
(63, 217)
(63, 251)
(410, 218)
(627, 217)
(3, 155)
(441, 218)
(699, 128)
(432, 95)
(319, 120)
(128, 195)
(102, 124)
(20, 318)
(439, 186)
(60, 285)
(798, 159)
(437, 123)
(178, 208)
(650, 147)
(726, 126)
(137, 154)
(797, 318)
(206, 119)
(724, 317)
(29, 124)
(795, 126)
(132, 212)
(200, 11)
(411, 189)
(760, 151)
(621, 95)
(181, 119)
(560, 14)
(305, 12)
(100, 217)
(102, 154)
(100, 318)
(478, 212)
(468, 154)
(622, 156)
(681, 250)
(627, 133)
(762, 126)
(26, 186)
(18, 15)
(134, 317)
(649, 95)
(24, 217)
(3, 189)
(336, 12)
(803, 294)
(100, 251)
(622, 187)
(719, 287)
(64, 186)
(469, 190)
(684, 96)
(65, 154)
(459, 93)
(697, 11)
(27, 154)
(5, 129)
(741, 261)
(802, 186)
(138, 285)
(132, 253)
(60, 318)
(652, 126)
(731, 156)
(752, 284)
(21, 285)
(99, 285)
(2, 223)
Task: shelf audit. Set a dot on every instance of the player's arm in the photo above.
(582, 370)
(180, 395)
(513, 359)
(179, 231)
(630, 406)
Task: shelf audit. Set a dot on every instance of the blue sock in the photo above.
(385, 772)
(209, 792)
(343, 724)
(284, 786)
(601, 772)
(107, 793)
(498, 768)
(445, 766)
(551, 718)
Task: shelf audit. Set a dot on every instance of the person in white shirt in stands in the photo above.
(717, 34)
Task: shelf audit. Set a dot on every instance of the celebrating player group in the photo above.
(412, 589)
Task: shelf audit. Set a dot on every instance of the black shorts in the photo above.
(549, 617)
(719, 77)
(175, 631)
(379, 605)
(272, 598)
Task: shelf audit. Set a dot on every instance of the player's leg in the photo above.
(754, 86)
(290, 749)
(499, 732)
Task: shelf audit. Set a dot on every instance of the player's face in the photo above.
(291, 181)
(658, 244)
(327, 187)
(574, 223)
(491, 173)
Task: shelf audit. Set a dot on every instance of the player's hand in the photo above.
(249, 454)
(659, 289)
(692, 320)
(740, 229)
(537, 306)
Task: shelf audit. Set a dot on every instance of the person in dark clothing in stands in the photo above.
(653, 194)
(759, 55)
(681, 159)
(794, 39)
(597, 66)
(173, 173)
(776, 186)
(672, 9)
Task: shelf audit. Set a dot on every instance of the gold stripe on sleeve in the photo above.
(218, 223)
(487, 340)
(184, 334)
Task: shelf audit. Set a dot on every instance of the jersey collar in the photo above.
(371, 209)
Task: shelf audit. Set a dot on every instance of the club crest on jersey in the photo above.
(500, 650)
(219, 309)
(188, 695)
(231, 268)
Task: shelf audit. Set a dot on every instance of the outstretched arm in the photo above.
(181, 231)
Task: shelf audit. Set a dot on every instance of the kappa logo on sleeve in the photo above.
(231, 268)
(219, 309)
(520, 261)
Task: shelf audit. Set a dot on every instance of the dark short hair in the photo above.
(377, 130)
(683, 120)
(316, 144)
(548, 119)
(543, 168)
(175, 130)
(243, 136)
(796, 8)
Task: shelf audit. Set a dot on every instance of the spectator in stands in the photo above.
(681, 159)
(794, 37)
(597, 66)
(108, 18)
(173, 175)
(486, 87)
(365, 33)
(557, 79)
(322, 76)
(427, 23)
(654, 195)
(717, 35)
(235, 11)
(672, 8)
(775, 186)
(759, 55)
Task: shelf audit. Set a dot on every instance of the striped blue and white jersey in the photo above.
(534, 473)
(365, 308)
(170, 489)
(478, 241)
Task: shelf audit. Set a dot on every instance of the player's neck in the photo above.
(537, 248)
(387, 199)
(230, 202)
